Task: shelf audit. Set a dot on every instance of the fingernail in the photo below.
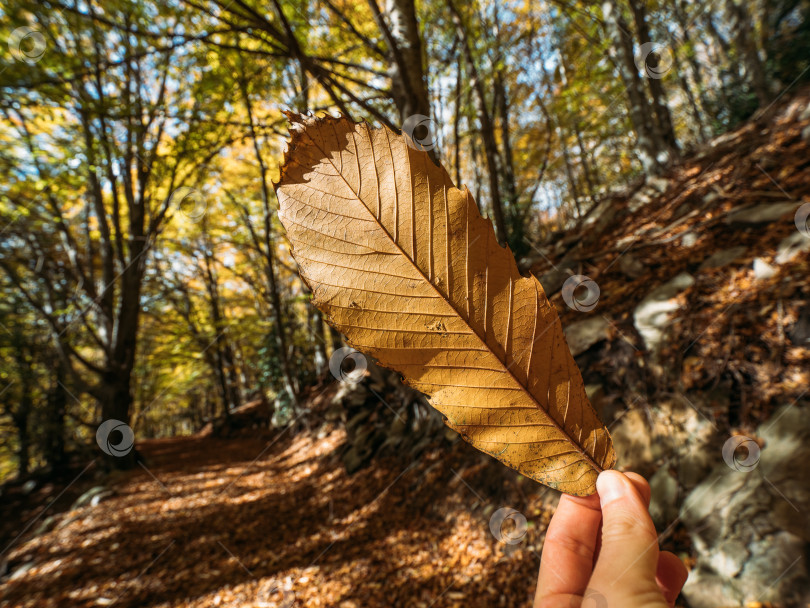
(611, 485)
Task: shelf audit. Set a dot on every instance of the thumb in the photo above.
(628, 558)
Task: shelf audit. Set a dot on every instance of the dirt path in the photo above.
(207, 522)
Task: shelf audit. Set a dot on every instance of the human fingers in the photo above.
(626, 567)
(568, 551)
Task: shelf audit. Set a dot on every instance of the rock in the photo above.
(723, 258)
(749, 529)
(350, 394)
(21, 571)
(334, 412)
(584, 334)
(792, 246)
(652, 316)
(353, 460)
(763, 270)
(762, 214)
(799, 332)
(710, 197)
(673, 434)
(601, 216)
(653, 187)
(553, 280)
(47, 524)
(632, 441)
(357, 420)
(631, 266)
(594, 392)
(92, 497)
(806, 134)
(688, 240)
(664, 498)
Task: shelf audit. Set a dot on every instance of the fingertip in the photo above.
(614, 485)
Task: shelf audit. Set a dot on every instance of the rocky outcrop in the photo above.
(584, 334)
(381, 414)
(762, 214)
(750, 527)
(653, 315)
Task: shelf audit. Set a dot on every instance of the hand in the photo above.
(602, 551)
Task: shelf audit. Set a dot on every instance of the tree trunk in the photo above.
(755, 72)
(337, 339)
(21, 420)
(269, 255)
(662, 117)
(678, 7)
(587, 171)
(115, 388)
(54, 448)
(409, 87)
(116, 400)
(569, 171)
(502, 109)
(487, 128)
(700, 128)
(457, 126)
(316, 329)
(650, 148)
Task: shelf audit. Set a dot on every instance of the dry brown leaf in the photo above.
(401, 262)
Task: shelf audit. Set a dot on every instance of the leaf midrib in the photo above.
(580, 449)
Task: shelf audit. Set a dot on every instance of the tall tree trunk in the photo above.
(679, 9)
(502, 109)
(586, 163)
(662, 117)
(21, 418)
(650, 148)
(116, 384)
(56, 401)
(226, 365)
(269, 255)
(457, 125)
(716, 59)
(487, 128)
(743, 29)
(700, 125)
(409, 85)
(569, 171)
(316, 330)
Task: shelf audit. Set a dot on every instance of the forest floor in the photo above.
(262, 521)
